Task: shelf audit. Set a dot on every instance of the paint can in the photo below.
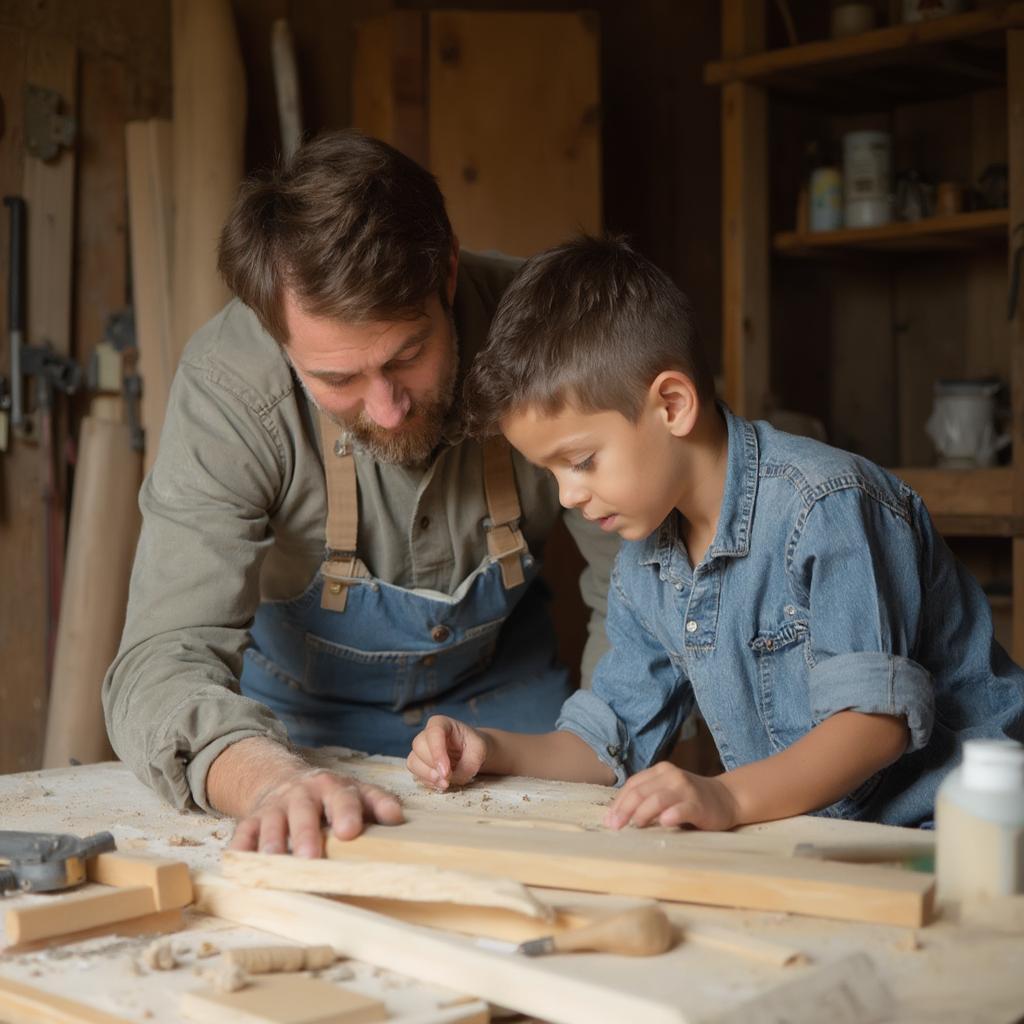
(979, 822)
(867, 178)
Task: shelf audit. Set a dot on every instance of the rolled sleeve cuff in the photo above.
(587, 716)
(875, 683)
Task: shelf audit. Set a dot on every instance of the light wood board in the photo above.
(650, 863)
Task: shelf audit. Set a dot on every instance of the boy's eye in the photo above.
(583, 465)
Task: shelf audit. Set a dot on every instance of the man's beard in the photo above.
(413, 441)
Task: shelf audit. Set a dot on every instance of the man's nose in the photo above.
(386, 403)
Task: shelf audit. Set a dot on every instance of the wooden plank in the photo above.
(746, 342)
(650, 864)
(529, 177)
(526, 984)
(74, 912)
(1015, 121)
(148, 150)
(26, 1004)
(208, 144)
(168, 880)
(863, 49)
(962, 492)
(287, 999)
(374, 878)
(49, 191)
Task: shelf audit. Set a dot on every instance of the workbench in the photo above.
(943, 972)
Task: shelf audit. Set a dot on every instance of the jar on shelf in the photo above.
(867, 178)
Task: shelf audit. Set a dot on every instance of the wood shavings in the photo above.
(226, 978)
(159, 956)
(206, 949)
(177, 840)
(268, 959)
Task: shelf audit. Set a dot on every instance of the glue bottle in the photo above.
(979, 823)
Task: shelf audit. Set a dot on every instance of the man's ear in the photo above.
(453, 270)
(674, 398)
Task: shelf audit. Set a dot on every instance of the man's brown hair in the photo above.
(590, 323)
(354, 229)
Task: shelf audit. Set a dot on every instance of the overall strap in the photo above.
(341, 564)
(505, 543)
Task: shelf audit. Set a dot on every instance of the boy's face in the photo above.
(624, 476)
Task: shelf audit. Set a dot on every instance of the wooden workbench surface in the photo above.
(942, 972)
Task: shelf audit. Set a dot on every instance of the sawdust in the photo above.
(177, 840)
(160, 956)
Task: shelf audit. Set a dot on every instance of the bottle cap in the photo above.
(993, 765)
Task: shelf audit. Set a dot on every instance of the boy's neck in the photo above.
(707, 466)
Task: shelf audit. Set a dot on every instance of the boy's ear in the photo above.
(674, 398)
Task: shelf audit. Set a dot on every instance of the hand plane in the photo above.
(47, 861)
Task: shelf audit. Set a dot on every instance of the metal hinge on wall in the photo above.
(47, 129)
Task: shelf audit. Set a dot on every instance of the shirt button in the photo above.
(613, 751)
(440, 633)
(691, 626)
(341, 449)
(428, 661)
(790, 610)
(424, 522)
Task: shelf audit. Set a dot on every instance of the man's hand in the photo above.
(447, 753)
(280, 799)
(670, 796)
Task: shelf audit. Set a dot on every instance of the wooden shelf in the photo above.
(901, 63)
(959, 231)
(967, 502)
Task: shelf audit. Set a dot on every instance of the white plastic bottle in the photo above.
(979, 822)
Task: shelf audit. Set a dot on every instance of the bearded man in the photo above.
(325, 559)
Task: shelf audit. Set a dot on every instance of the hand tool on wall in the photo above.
(642, 931)
(51, 373)
(47, 861)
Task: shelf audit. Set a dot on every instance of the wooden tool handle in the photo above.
(644, 931)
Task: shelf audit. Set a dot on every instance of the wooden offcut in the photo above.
(75, 912)
(168, 880)
(284, 999)
(650, 864)
(415, 883)
(20, 1002)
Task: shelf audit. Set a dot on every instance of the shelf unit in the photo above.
(881, 70)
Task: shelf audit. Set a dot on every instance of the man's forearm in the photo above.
(552, 755)
(832, 760)
(248, 769)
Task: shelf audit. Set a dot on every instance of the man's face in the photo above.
(623, 476)
(390, 383)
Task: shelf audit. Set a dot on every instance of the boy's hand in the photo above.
(447, 753)
(669, 796)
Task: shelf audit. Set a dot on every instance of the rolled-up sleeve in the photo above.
(638, 700)
(171, 696)
(855, 564)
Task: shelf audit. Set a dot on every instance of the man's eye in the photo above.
(583, 465)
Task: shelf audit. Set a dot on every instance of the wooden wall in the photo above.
(122, 71)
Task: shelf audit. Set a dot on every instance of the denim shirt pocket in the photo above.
(781, 693)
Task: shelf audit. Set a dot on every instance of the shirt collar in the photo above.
(732, 534)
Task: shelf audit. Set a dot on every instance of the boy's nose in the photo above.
(572, 495)
(385, 404)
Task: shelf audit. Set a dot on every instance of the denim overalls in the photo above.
(358, 662)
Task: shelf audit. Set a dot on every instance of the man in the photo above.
(317, 533)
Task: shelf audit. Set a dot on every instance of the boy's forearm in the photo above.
(552, 755)
(831, 761)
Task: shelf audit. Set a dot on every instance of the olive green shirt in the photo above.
(234, 512)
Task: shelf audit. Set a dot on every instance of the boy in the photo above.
(799, 594)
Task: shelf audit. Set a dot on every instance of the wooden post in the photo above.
(745, 251)
(1015, 128)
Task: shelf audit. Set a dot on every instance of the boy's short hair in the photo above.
(355, 229)
(591, 324)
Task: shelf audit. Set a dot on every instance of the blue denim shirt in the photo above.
(826, 588)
